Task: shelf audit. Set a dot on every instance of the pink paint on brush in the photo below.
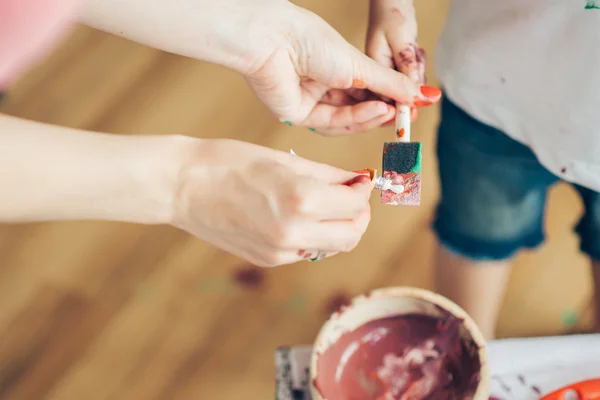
(28, 31)
(412, 189)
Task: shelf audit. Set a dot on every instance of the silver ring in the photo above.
(320, 255)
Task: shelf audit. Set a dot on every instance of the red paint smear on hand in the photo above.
(359, 84)
(251, 277)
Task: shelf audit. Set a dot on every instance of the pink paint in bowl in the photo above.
(400, 343)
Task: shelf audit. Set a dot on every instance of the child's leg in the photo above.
(596, 278)
(588, 230)
(493, 193)
(478, 287)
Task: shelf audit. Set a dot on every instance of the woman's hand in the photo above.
(317, 79)
(269, 207)
(296, 63)
(266, 206)
(392, 38)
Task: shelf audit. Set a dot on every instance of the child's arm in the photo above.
(54, 173)
(392, 38)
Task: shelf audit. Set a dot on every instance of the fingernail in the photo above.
(430, 92)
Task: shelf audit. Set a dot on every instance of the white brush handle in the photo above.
(402, 123)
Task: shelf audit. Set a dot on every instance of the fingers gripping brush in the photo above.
(402, 165)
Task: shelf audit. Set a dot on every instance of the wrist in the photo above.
(153, 173)
(71, 174)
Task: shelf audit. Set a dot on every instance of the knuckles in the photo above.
(282, 235)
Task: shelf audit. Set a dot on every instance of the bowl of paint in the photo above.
(399, 343)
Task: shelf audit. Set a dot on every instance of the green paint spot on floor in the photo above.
(212, 285)
(297, 301)
(312, 129)
(146, 290)
(287, 123)
(570, 318)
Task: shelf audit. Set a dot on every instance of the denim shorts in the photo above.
(493, 192)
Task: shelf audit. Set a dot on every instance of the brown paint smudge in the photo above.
(251, 277)
(337, 302)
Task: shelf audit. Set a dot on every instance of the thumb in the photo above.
(387, 82)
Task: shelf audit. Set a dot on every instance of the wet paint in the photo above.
(336, 303)
(533, 388)
(407, 57)
(412, 190)
(411, 61)
(250, 277)
(297, 301)
(592, 4)
(402, 163)
(411, 356)
(359, 84)
(306, 254)
(570, 318)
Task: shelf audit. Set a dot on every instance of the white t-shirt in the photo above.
(530, 68)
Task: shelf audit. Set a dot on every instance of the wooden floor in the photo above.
(114, 311)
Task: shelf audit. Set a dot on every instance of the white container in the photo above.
(392, 301)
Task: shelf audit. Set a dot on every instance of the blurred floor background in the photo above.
(101, 311)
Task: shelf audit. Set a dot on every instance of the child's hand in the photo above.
(392, 38)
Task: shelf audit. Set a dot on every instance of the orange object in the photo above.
(584, 390)
(371, 173)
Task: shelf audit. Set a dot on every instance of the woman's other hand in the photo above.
(316, 79)
(297, 64)
(269, 207)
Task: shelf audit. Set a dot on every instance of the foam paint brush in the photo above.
(402, 165)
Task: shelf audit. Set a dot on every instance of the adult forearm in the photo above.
(232, 33)
(54, 173)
